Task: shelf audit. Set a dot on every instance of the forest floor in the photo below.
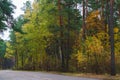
(90, 75)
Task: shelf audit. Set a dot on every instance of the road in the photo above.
(26, 75)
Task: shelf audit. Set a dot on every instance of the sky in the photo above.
(17, 12)
(19, 4)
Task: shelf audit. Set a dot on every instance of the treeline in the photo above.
(67, 35)
(6, 18)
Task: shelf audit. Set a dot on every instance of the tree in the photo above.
(2, 52)
(111, 33)
(6, 19)
(48, 36)
(6, 10)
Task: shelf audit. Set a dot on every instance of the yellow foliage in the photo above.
(93, 45)
(116, 30)
(94, 23)
(80, 57)
(9, 51)
(102, 36)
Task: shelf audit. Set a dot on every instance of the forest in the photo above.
(62, 35)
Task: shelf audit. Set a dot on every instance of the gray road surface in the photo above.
(24, 75)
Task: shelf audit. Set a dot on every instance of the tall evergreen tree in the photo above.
(6, 10)
(111, 33)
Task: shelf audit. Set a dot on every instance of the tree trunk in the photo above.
(61, 45)
(86, 8)
(84, 25)
(22, 61)
(16, 59)
(111, 26)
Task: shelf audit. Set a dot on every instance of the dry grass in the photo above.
(87, 75)
(90, 75)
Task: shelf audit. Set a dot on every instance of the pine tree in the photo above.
(111, 33)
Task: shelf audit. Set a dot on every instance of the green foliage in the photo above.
(53, 38)
(6, 10)
(18, 23)
(2, 48)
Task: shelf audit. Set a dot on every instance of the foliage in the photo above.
(2, 48)
(6, 10)
(49, 36)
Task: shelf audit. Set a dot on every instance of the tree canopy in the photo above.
(66, 35)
